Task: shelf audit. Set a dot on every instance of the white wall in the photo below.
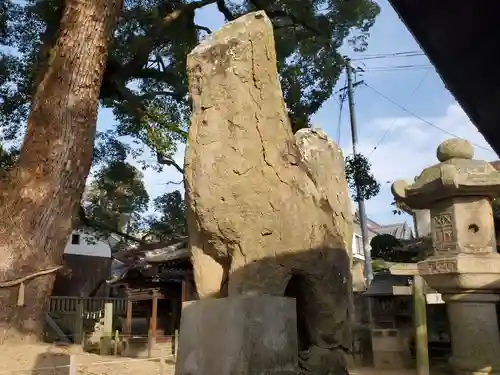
(358, 252)
(97, 249)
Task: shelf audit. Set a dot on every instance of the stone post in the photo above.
(422, 223)
(105, 347)
(465, 266)
(420, 322)
(238, 335)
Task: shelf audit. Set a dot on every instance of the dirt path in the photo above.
(52, 360)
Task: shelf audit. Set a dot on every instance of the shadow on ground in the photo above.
(51, 363)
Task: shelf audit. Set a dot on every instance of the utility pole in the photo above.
(361, 202)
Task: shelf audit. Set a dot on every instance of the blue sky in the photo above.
(408, 143)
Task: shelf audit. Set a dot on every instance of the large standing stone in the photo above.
(267, 214)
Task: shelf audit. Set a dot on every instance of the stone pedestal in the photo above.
(469, 283)
(238, 335)
(474, 333)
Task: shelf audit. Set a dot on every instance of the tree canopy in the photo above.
(116, 201)
(390, 249)
(145, 86)
(117, 196)
(170, 223)
(145, 82)
(359, 175)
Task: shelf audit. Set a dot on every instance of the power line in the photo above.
(396, 119)
(417, 69)
(421, 118)
(389, 55)
(395, 67)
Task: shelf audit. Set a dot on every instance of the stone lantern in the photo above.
(465, 265)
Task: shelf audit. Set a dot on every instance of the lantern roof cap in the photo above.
(456, 174)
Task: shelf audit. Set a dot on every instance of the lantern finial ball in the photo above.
(455, 148)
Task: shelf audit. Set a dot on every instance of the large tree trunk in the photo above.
(37, 198)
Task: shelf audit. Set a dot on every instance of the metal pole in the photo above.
(361, 202)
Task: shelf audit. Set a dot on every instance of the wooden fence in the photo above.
(88, 305)
(66, 315)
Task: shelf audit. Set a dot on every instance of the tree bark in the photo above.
(38, 197)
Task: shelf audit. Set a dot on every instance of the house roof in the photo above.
(144, 258)
(401, 231)
(384, 284)
(460, 39)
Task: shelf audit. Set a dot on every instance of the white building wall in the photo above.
(77, 245)
(357, 242)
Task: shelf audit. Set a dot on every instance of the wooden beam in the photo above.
(128, 328)
(52, 324)
(153, 324)
(401, 290)
(78, 323)
(404, 269)
(420, 321)
(154, 316)
(183, 291)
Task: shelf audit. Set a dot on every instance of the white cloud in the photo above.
(408, 148)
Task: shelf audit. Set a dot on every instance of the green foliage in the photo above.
(117, 197)
(145, 82)
(145, 85)
(8, 158)
(171, 222)
(399, 208)
(388, 248)
(378, 265)
(383, 246)
(358, 172)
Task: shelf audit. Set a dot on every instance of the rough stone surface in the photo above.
(455, 148)
(267, 214)
(238, 335)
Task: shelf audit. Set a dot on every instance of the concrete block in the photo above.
(238, 335)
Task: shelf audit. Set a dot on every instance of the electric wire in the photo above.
(396, 119)
(395, 68)
(421, 118)
(389, 55)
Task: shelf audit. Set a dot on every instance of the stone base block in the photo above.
(238, 335)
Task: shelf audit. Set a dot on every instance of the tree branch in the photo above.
(171, 163)
(147, 43)
(154, 94)
(139, 111)
(281, 13)
(91, 223)
(222, 7)
(174, 182)
(203, 28)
